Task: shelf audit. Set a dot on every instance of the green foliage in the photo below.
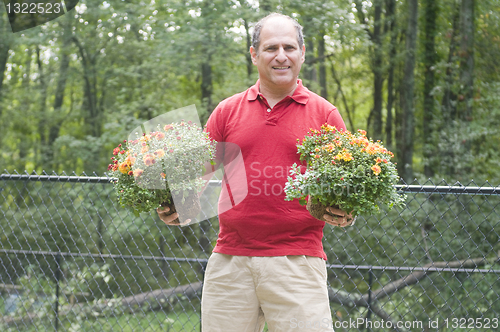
(346, 170)
(160, 164)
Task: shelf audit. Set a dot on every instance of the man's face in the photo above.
(279, 57)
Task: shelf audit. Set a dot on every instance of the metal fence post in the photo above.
(58, 276)
(370, 283)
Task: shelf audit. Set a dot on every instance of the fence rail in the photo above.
(71, 259)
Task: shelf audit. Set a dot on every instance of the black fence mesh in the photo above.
(71, 259)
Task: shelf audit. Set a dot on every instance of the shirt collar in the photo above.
(300, 95)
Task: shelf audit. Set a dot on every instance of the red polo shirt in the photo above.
(263, 223)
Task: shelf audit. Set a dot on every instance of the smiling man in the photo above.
(269, 264)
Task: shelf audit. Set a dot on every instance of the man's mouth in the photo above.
(282, 67)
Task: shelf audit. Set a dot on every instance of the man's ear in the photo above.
(253, 53)
(303, 53)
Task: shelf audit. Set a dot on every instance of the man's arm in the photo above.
(338, 217)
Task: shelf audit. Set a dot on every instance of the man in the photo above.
(269, 263)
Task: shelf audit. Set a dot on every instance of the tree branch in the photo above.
(153, 300)
(415, 277)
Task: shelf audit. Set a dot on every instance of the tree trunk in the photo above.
(247, 54)
(57, 119)
(322, 67)
(206, 84)
(390, 17)
(5, 44)
(378, 79)
(430, 59)
(449, 97)
(308, 71)
(466, 60)
(466, 93)
(405, 142)
(42, 109)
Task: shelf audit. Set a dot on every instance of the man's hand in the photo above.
(168, 219)
(338, 217)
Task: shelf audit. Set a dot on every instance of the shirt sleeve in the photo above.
(335, 119)
(214, 126)
(215, 130)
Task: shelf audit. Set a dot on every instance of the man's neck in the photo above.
(273, 95)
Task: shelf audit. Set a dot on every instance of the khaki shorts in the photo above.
(241, 293)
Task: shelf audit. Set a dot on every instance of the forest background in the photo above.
(423, 76)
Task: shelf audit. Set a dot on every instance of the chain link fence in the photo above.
(71, 259)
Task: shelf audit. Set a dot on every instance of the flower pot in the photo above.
(317, 210)
(187, 210)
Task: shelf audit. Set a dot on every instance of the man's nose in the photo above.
(281, 56)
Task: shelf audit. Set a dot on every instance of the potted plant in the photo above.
(343, 170)
(162, 168)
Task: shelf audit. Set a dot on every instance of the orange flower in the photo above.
(378, 160)
(362, 132)
(116, 151)
(130, 160)
(347, 156)
(138, 172)
(148, 160)
(168, 127)
(376, 169)
(160, 136)
(159, 153)
(330, 147)
(144, 149)
(163, 175)
(373, 148)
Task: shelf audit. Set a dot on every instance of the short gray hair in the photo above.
(258, 28)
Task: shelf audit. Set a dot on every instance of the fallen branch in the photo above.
(153, 300)
(415, 277)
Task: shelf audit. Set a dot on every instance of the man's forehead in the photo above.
(278, 32)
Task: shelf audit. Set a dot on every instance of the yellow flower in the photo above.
(124, 167)
(328, 128)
